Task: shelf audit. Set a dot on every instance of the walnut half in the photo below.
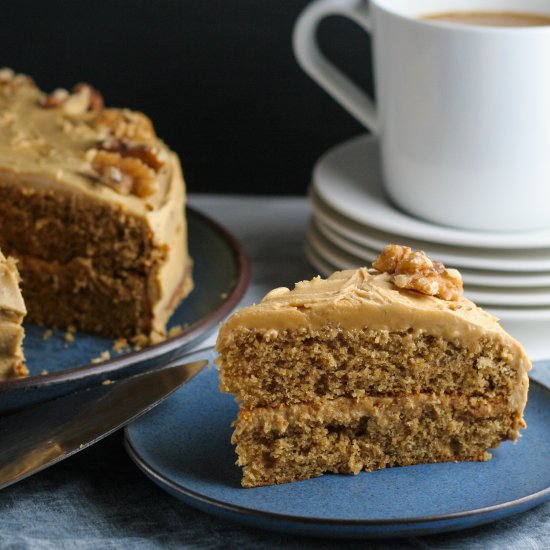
(127, 125)
(126, 175)
(126, 167)
(415, 271)
(10, 81)
(83, 99)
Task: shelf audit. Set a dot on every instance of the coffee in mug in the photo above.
(492, 18)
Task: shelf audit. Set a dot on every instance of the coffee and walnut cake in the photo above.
(368, 369)
(92, 210)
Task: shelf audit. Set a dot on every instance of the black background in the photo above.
(218, 78)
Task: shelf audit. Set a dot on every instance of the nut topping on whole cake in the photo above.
(149, 155)
(127, 161)
(83, 99)
(126, 175)
(415, 271)
(126, 124)
(126, 157)
(10, 81)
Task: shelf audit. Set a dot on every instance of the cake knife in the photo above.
(36, 438)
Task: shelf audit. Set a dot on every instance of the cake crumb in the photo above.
(121, 344)
(103, 356)
(107, 382)
(21, 370)
(224, 295)
(47, 334)
(69, 334)
(44, 373)
(175, 331)
(140, 341)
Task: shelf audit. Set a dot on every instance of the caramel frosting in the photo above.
(12, 311)
(354, 299)
(52, 148)
(384, 410)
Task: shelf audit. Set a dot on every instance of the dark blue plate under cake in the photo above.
(184, 446)
(59, 365)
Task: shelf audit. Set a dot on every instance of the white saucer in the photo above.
(495, 279)
(509, 298)
(340, 257)
(333, 255)
(369, 244)
(530, 326)
(348, 179)
(361, 234)
(520, 261)
(324, 268)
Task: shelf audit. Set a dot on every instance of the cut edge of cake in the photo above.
(359, 340)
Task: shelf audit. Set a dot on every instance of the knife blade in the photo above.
(39, 437)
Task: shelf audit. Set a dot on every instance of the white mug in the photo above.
(462, 112)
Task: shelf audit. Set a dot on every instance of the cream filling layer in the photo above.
(384, 411)
(12, 311)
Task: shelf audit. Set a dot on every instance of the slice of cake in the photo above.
(12, 311)
(92, 209)
(369, 369)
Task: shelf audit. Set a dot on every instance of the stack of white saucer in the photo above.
(506, 274)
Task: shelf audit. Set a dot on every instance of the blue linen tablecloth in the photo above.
(99, 499)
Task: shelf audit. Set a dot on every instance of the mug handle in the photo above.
(325, 73)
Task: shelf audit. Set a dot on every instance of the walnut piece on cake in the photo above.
(415, 271)
(126, 157)
(126, 124)
(83, 99)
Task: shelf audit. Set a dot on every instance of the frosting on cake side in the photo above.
(12, 312)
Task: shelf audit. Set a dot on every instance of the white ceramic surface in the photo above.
(333, 255)
(348, 179)
(346, 258)
(462, 111)
(497, 279)
(509, 297)
(474, 259)
(530, 326)
(374, 239)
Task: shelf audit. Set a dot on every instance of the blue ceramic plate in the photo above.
(183, 445)
(221, 275)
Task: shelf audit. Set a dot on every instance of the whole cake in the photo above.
(369, 369)
(92, 209)
(12, 311)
